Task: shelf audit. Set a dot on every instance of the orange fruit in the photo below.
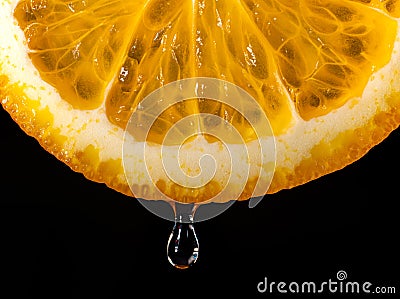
(324, 72)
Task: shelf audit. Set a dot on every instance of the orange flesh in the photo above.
(319, 53)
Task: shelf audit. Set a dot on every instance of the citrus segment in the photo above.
(76, 46)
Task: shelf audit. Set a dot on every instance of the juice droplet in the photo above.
(183, 245)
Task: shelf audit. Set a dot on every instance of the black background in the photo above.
(63, 236)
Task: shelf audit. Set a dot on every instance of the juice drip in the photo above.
(183, 245)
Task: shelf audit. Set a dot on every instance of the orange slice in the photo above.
(74, 75)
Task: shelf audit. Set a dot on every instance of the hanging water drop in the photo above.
(183, 245)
